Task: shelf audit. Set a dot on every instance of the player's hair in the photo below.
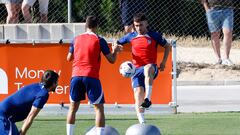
(139, 17)
(91, 21)
(49, 77)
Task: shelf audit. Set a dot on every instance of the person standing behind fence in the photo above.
(219, 15)
(13, 8)
(144, 54)
(128, 9)
(85, 52)
(43, 9)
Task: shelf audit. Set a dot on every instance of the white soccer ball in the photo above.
(127, 69)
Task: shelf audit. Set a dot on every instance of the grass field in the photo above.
(180, 124)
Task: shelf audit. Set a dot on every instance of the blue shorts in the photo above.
(7, 127)
(13, 2)
(138, 78)
(81, 85)
(220, 18)
(129, 8)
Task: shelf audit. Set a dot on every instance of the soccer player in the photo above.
(85, 52)
(144, 53)
(25, 104)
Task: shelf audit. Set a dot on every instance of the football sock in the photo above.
(100, 130)
(148, 94)
(141, 118)
(70, 128)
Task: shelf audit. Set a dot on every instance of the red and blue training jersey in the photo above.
(86, 49)
(144, 47)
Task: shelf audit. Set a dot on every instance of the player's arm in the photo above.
(167, 48)
(125, 39)
(69, 57)
(70, 53)
(111, 56)
(28, 121)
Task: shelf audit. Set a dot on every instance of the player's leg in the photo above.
(77, 93)
(96, 97)
(100, 118)
(7, 127)
(71, 117)
(149, 72)
(227, 34)
(14, 130)
(4, 126)
(26, 5)
(43, 9)
(138, 87)
(214, 25)
(139, 98)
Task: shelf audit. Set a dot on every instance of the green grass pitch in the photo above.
(180, 124)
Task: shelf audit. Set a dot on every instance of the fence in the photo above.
(180, 18)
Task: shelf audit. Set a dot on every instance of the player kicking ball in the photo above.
(25, 104)
(144, 55)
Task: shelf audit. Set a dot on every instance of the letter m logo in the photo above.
(3, 82)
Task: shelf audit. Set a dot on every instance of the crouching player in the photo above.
(25, 104)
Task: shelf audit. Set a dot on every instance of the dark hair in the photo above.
(91, 22)
(49, 78)
(139, 17)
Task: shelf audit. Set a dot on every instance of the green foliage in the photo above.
(58, 11)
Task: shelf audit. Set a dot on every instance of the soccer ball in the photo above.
(127, 69)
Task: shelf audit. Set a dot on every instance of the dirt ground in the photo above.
(198, 64)
(207, 72)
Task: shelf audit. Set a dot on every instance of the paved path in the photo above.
(209, 98)
(190, 99)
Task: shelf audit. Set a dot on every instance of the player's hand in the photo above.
(21, 133)
(162, 67)
(116, 47)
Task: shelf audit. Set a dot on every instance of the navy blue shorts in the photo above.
(81, 85)
(7, 127)
(138, 78)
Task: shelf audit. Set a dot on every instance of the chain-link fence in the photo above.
(178, 18)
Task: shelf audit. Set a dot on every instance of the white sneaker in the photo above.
(227, 62)
(219, 62)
